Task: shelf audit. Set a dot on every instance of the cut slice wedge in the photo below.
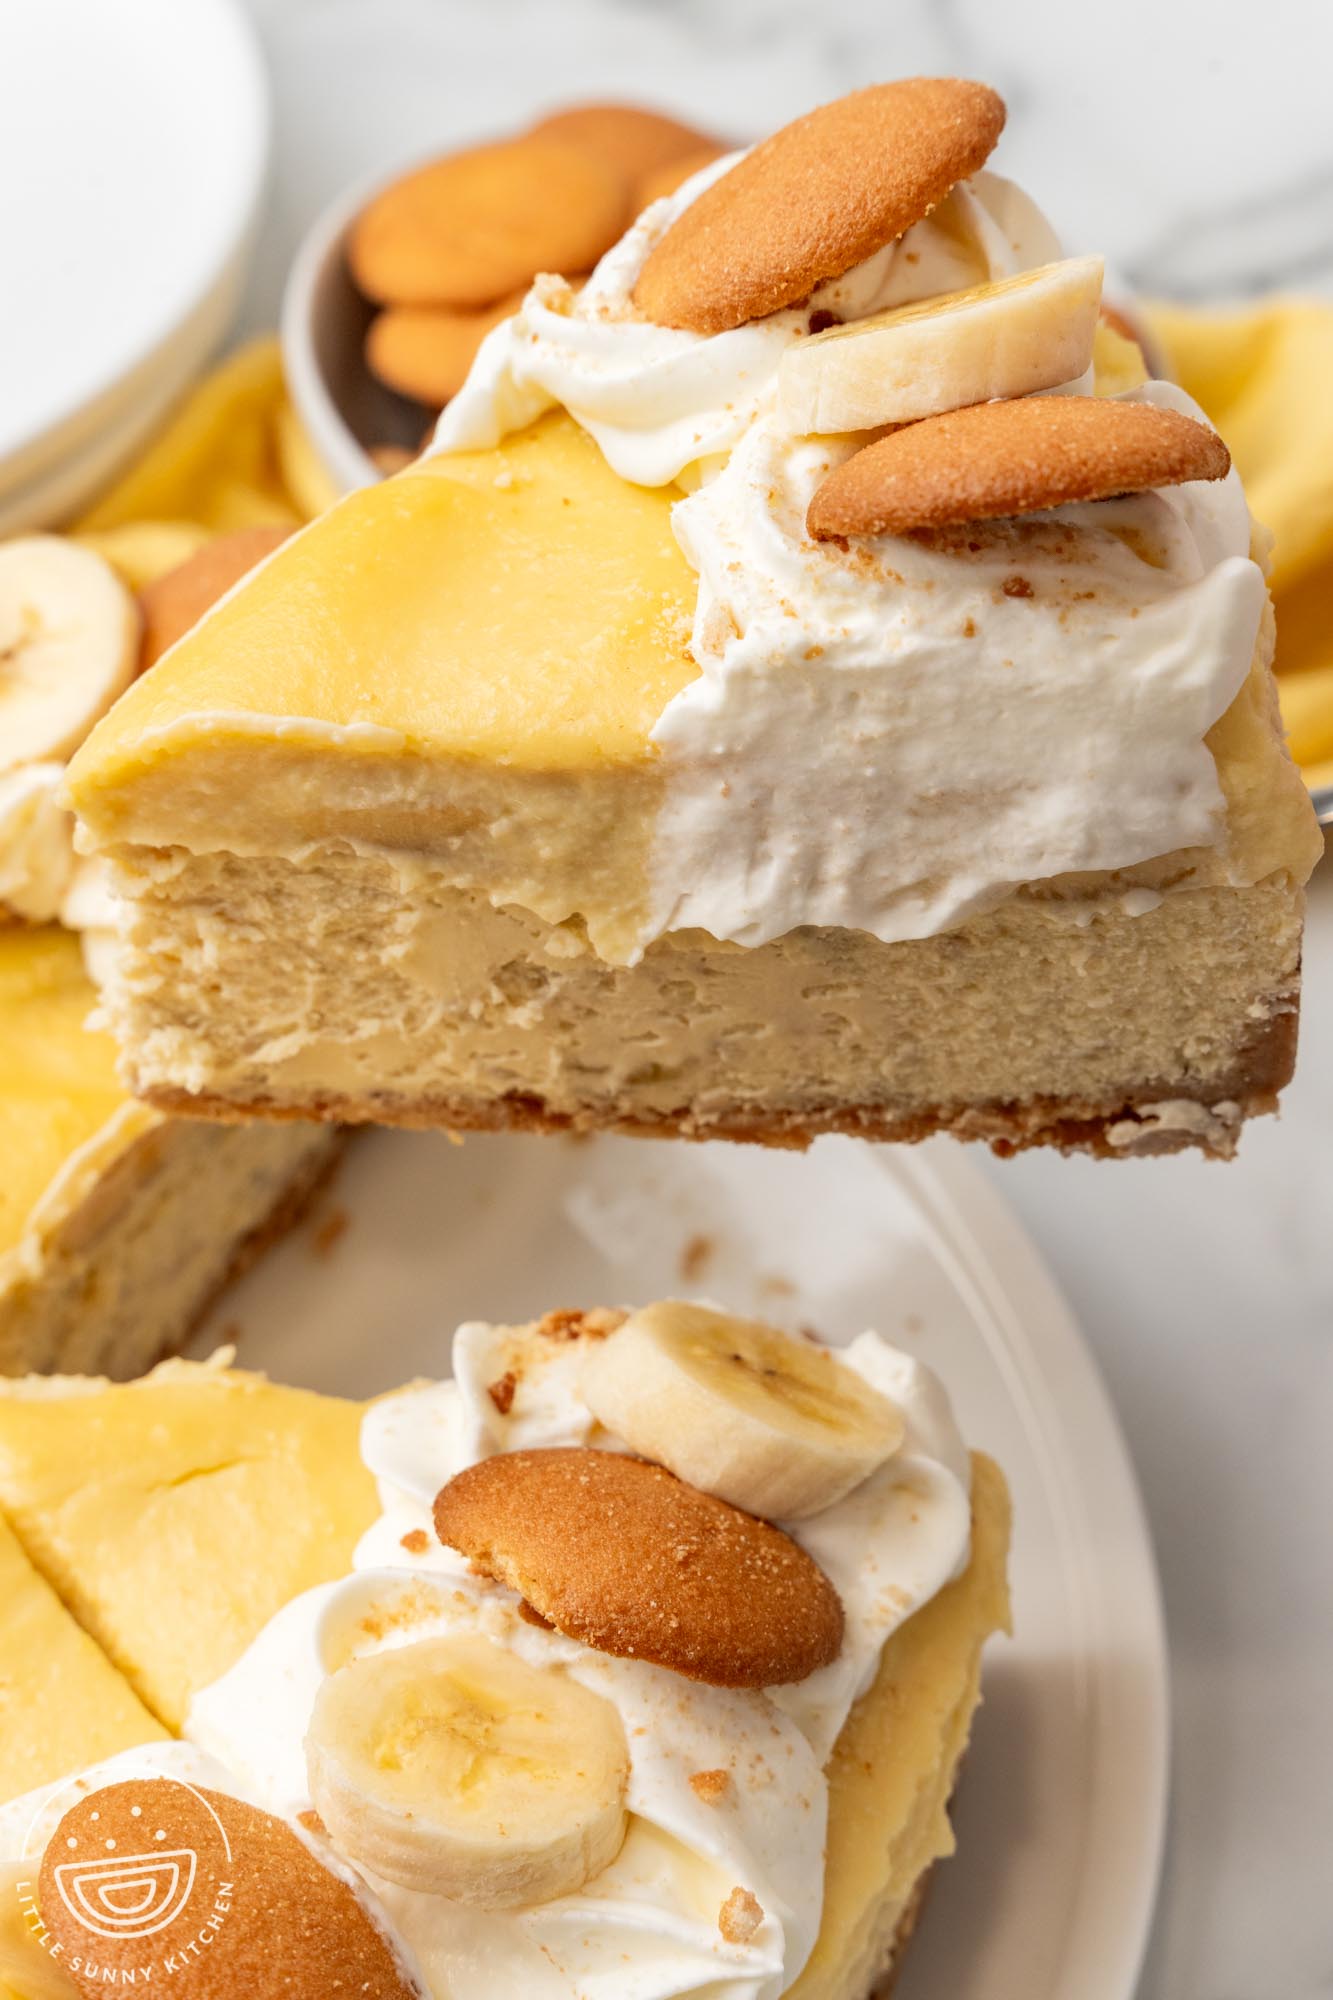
(1009, 338)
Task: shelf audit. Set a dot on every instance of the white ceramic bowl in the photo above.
(133, 156)
(324, 322)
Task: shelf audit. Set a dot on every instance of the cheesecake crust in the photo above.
(1156, 1116)
(902, 1937)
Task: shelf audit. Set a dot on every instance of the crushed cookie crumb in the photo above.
(740, 1916)
(821, 319)
(573, 1323)
(501, 1393)
(328, 1233)
(312, 1822)
(416, 1541)
(696, 1256)
(969, 628)
(1017, 586)
(710, 1786)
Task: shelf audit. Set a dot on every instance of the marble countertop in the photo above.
(1194, 147)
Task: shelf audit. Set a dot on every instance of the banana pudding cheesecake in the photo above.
(639, 1657)
(814, 683)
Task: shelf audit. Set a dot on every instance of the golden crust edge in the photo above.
(1252, 1082)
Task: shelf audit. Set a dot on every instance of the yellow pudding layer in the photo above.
(62, 1703)
(58, 1085)
(175, 1515)
(523, 605)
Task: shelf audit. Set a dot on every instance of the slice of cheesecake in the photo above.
(565, 781)
(385, 827)
(118, 1226)
(233, 1595)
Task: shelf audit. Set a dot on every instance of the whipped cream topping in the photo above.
(659, 399)
(893, 735)
(647, 1927)
(43, 879)
(36, 842)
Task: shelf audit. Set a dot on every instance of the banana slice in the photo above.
(774, 1425)
(454, 1767)
(1008, 338)
(69, 641)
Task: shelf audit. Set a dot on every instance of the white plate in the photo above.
(132, 155)
(1060, 1818)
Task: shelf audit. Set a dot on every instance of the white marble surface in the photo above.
(1193, 145)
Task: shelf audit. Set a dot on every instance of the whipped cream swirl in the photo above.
(647, 1927)
(659, 399)
(36, 842)
(893, 735)
(889, 737)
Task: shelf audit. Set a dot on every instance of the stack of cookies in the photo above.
(450, 250)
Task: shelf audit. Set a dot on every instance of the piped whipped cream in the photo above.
(659, 399)
(36, 842)
(646, 1928)
(43, 879)
(891, 736)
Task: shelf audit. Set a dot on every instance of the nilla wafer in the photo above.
(425, 352)
(634, 141)
(625, 1557)
(152, 1881)
(997, 459)
(471, 228)
(172, 603)
(816, 198)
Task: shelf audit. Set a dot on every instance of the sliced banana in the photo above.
(774, 1425)
(1008, 338)
(69, 644)
(454, 1767)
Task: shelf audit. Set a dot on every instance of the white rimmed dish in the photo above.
(1061, 1814)
(324, 323)
(133, 154)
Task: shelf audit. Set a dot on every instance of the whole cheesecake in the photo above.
(765, 1723)
(583, 776)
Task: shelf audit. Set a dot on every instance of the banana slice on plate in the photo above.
(454, 1767)
(776, 1426)
(1009, 338)
(69, 644)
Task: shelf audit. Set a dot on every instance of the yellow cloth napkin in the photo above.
(233, 456)
(1264, 374)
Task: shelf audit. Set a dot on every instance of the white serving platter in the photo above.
(1061, 1814)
